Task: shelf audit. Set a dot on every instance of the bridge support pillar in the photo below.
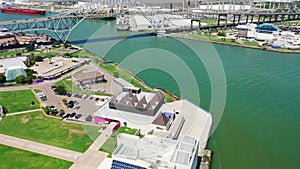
(282, 17)
(276, 18)
(270, 19)
(258, 21)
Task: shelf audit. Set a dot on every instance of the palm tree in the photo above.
(50, 57)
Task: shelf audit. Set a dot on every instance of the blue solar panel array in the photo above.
(121, 165)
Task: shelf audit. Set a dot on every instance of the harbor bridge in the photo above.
(60, 25)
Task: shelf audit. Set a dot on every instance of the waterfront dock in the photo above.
(206, 158)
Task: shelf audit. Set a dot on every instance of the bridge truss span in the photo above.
(61, 26)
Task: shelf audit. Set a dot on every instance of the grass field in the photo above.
(16, 158)
(40, 128)
(69, 86)
(19, 100)
(111, 143)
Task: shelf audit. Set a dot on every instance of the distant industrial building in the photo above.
(142, 23)
(88, 78)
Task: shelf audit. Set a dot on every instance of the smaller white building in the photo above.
(88, 78)
(246, 31)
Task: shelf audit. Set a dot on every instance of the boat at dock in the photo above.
(22, 11)
(123, 24)
(5, 33)
(161, 33)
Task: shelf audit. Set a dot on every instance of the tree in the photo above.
(65, 101)
(67, 44)
(21, 79)
(2, 79)
(56, 44)
(28, 80)
(29, 48)
(116, 74)
(61, 112)
(39, 58)
(50, 57)
(46, 110)
(89, 118)
(221, 34)
(60, 90)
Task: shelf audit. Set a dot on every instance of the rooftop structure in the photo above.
(267, 27)
(12, 62)
(88, 78)
(156, 152)
(122, 82)
(142, 103)
(13, 72)
(265, 32)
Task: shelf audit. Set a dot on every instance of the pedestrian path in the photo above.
(40, 148)
(92, 157)
(23, 112)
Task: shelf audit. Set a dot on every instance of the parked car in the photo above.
(67, 116)
(78, 116)
(77, 107)
(70, 105)
(73, 114)
(76, 102)
(53, 107)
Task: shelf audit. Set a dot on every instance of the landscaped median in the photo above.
(16, 158)
(19, 100)
(37, 127)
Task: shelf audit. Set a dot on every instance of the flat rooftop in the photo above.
(198, 122)
(163, 152)
(123, 82)
(87, 75)
(134, 120)
(12, 62)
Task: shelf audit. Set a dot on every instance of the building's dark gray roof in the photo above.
(267, 27)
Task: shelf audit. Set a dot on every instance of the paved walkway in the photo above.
(23, 112)
(40, 148)
(92, 157)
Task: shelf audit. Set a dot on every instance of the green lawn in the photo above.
(69, 86)
(210, 22)
(111, 143)
(46, 54)
(10, 53)
(112, 69)
(37, 90)
(40, 128)
(18, 100)
(251, 43)
(16, 158)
